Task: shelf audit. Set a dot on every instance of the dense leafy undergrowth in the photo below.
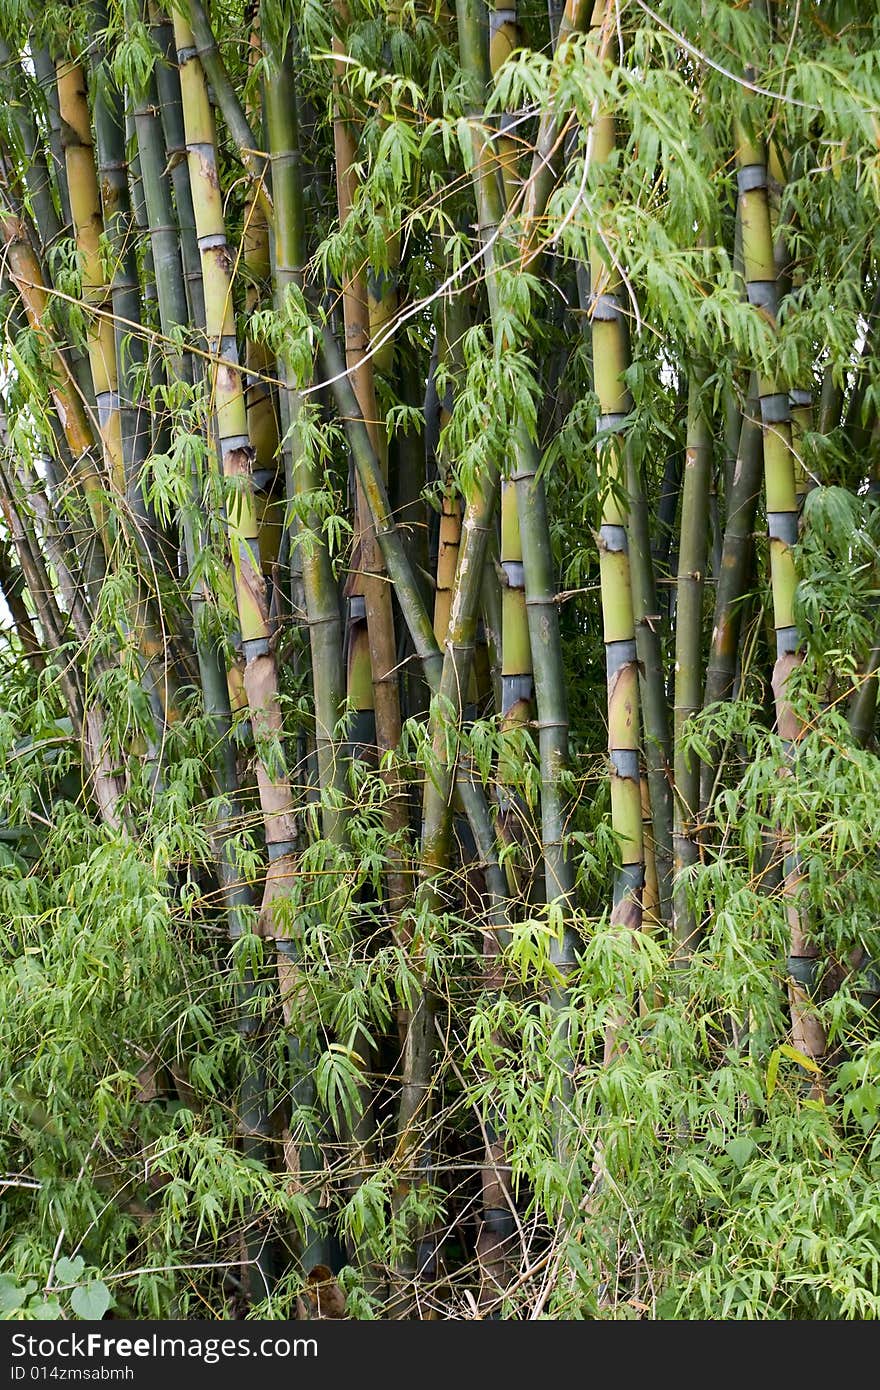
(707, 1171)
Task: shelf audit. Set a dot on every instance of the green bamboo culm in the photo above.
(692, 560)
(644, 884)
(322, 602)
(169, 106)
(230, 426)
(782, 528)
(610, 360)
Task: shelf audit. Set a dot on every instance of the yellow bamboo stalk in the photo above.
(88, 226)
(260, 677)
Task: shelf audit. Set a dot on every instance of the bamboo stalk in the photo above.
(656, 791)
(782, 525)
(227, 392)
(409, 596)
(692, 558)
(86, 716)
(85, 199)
(13, 587)
(170, 110)
(369, 584)
(737, 555)
(372, 579)
(322, 605)
(25, 274)
(205, 47)
(44, 71)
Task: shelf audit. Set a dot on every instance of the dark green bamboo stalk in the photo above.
(862, 712)
(657, 823)
(35, 168)
(262, 410)
(13, 588)
(119, 230)
(303, 479)
(782, 527)
(737, 555)
(322, 605)
(863, 706)
(44, 71)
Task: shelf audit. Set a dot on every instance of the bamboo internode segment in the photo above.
(169, 107)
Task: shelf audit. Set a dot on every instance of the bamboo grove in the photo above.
(439, 557)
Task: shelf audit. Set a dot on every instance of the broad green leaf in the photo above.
(91, 1301)
(67, 1271)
